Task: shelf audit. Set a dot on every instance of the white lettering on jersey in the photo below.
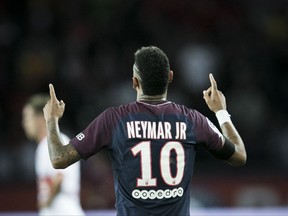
(180, 130)
(151, 130)
(80, 136)
(155, 130)
(158, 194)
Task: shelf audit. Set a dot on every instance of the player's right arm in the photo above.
(216, 102)
(61, 155)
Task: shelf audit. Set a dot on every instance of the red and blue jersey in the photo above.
(152, 149)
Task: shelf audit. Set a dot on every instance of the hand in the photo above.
(54, 109)
(213, 97)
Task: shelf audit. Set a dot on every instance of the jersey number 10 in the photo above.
(144, 149)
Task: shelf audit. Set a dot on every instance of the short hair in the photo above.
(37, 102)
(153, 66)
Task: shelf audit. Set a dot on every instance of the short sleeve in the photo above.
(207, 134)
(96, 136)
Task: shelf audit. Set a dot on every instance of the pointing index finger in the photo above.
(52, 93)
(213, 82)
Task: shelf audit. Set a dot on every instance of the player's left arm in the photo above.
(233, 141)
(233, 146)
(61, 155)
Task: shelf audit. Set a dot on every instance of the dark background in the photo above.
(86, 47)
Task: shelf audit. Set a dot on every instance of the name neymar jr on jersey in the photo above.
(156, 130)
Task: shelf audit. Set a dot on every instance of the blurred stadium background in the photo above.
(85, 48)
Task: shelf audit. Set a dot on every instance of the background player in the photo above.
(152, 142)
(58, 190)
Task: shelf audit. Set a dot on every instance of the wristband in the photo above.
(223, 116)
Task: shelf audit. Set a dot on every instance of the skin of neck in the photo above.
(143, 97)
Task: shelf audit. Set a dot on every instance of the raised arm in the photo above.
(217, 103)
(61, 155)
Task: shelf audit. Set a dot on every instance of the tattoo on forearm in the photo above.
(64, 155)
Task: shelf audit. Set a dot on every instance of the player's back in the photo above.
(152, 147)
(153, 151)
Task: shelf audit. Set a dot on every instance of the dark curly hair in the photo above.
(153, 66)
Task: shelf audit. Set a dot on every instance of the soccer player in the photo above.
(58, 190)
(152, 142)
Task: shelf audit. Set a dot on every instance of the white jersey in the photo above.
(67, 201)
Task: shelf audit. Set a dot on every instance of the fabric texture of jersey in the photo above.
(152, 149)
(67, 201)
